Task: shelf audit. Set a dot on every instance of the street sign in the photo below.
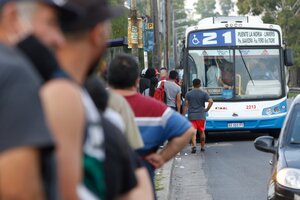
(129, 34)
(150, 25)
(140, 31)
(135, 33)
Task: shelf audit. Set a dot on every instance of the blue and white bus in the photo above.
(248, 61)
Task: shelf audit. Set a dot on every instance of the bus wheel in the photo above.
(274, 132)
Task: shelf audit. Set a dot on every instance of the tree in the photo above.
(285, 13)
(226, 6)
(178, 7)
(120, 24)
(206, 8)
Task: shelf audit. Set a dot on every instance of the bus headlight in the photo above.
(279, 108)
(268, 111)
(289, 177)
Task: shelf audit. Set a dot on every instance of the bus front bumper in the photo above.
(274, 122)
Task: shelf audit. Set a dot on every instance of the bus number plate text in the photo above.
(235, 125)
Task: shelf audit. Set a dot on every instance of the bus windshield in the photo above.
(237, 74)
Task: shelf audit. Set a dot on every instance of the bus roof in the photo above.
(232, 22)
(231, 19)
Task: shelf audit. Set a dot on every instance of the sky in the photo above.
(189, 4)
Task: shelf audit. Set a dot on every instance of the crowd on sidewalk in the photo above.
(64, 132)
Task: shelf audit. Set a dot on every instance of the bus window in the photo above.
(260, 72)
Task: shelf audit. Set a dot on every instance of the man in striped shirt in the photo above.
(157, 122)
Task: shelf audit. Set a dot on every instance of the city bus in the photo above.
(242, 64)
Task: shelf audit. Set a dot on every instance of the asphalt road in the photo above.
(235, 170)
(230, 169)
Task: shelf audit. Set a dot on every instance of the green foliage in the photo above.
(226, 7)
(144, 7)
(285, 13)
(119, 25)
(206, 8)
(116, 2)
(178, 7)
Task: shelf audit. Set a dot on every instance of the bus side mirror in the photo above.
(288, 57)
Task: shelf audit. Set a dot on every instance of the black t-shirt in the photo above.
(22, 121)
(144, 84)
(120, 162)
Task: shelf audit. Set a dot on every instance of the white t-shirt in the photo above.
(213, 73)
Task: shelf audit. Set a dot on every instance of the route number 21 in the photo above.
(212, 38)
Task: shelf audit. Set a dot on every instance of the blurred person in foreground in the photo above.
(26, 146)
(39, 48)
(117, 165)
(118, 104)
(156, 121)
(73, 117)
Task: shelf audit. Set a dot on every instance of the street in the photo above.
(230, 169)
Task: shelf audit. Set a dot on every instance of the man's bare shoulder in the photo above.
(62, 95)
(60, 87)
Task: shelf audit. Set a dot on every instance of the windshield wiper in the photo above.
(246, 67)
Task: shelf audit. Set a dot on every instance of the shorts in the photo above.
(199, 125)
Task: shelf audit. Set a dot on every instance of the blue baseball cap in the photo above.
(90, 13)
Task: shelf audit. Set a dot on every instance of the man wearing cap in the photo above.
(27, 167)
(71, 113)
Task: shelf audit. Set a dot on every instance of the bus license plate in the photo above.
(235, 125)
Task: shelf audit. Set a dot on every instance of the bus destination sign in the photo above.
(234, 37)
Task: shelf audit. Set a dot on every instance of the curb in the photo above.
(164, 175)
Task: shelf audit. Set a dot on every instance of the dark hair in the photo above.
(150, 73)
(196, 82)
(96, 88)
(173, 75)
(153, 85)
(123, 72)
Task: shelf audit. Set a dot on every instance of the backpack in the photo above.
(160, 93)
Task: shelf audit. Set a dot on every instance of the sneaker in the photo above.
(202, 149)
(193, 150)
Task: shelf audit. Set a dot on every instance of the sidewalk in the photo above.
(185, 179)
(163, 181)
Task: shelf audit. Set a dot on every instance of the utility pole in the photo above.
(174, 38)
(145, 51)
(134, 29)
(156, 49)
(167, 20)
